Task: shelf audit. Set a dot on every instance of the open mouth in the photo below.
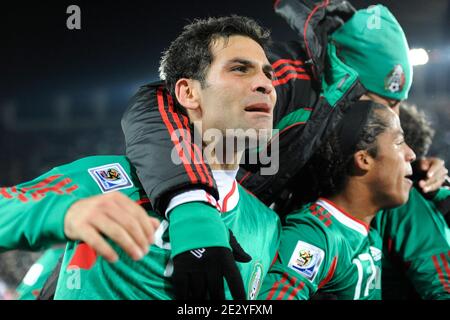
(260, 107)
(408, 178)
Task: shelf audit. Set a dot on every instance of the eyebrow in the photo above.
(399, 132)
(266, 67)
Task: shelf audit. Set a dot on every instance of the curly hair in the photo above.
(328, 170)
(418, 132)
(189, 55)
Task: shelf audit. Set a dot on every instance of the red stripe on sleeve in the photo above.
(447, 270)
(291, 76)
(42, 183)
(289, 68)
(296, 290)
(197, 151)
(279, 62)
(4, 193)
(330, 273)
(169, 127)
(286, 287)
(276, 285)
(72, 188)
(188, 143)
(440, 274)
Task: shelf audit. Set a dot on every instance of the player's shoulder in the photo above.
(312, 214)
(148, 90)
(313, 222)
(94, 162)
(109, 172)
(256, 204)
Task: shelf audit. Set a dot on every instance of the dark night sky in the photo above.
(43, 63)
(120, 42)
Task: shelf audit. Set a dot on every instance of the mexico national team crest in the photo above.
(395, 80)
(255, 281)
(111, 177)
(306, 260)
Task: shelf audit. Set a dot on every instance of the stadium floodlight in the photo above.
(418, 57)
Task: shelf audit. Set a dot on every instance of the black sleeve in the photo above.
(299, 67)
(159, 143)
(299, 134)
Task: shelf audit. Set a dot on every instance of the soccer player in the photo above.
(416, 236)
(328, 245)
(337, 60)
(226, 71)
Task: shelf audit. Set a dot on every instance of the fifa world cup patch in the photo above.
(111, 177)
(306, 260)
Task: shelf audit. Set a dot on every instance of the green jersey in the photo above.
(85, 276)
(416, 248)
(323, 248)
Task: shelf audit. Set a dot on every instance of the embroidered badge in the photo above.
(111, 177)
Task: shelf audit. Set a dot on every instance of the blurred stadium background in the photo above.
(62, 92)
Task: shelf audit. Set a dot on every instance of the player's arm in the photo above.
(66, 203)
(160, 143)
(306, 261)
(420, 237)
(436, 174)
(32, 213)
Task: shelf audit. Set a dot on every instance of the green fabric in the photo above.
(300, 115)
(312, 241)
(86, 276)
(32, 213)
(188, 223)
(442, 194)
(338, 79)
(416, 235)
(373, 43)
(28, 222)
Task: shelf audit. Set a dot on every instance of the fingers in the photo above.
(234, 280)
(132, 218)
(154, 226)
(435, 172)
(436, 176)
(425, 164)
(238, 252)
(215, 286)
(115, 216)
(134, 210)
(92, 238)
(115, 231)
(198, 285)
(437, 168)
(180, 284)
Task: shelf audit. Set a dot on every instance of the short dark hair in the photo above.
(418, 132)
(329, 168)
(189, 55)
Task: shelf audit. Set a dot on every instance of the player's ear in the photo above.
(363, 161)
(188, 95)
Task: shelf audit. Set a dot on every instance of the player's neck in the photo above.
(223, 160)
(357, 203)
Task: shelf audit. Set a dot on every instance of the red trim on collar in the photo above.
(364, 224)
